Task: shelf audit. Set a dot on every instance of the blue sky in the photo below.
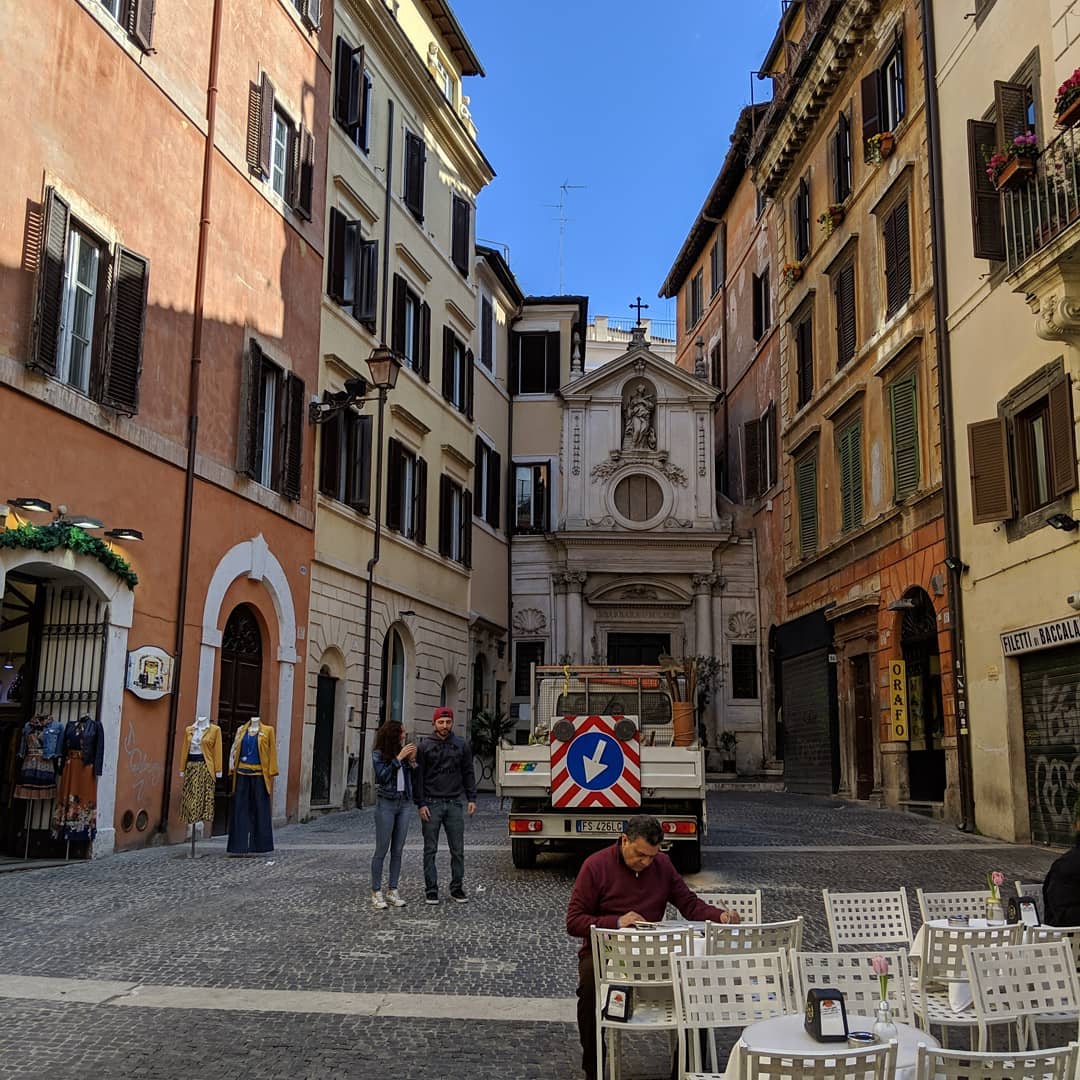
(635, 100)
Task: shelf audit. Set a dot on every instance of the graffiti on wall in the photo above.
(1052, 748)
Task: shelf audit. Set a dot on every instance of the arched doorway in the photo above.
(393, 677)
(322, 746)
(239, 693)
(479, 683)
(926, 715)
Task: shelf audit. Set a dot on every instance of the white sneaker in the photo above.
(378, 902)
(394, 898)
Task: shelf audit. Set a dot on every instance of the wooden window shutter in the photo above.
(346, 105)
(806, 488)
(991, 475)
(49, 303)
(293, 456)
(752, 456)
(445, 520)
(420, 502)
(723, 252)
(335, 261)
(250, 403)
(448, 363)
(122, 362)
(494, 489)
(904, 419)
(487, 333)
(303, 184)
(987, 228)
(367, 281)
(804, 351)
(363, 134)
(897, 258)
(414, 174)
(769, 431)
(845, 315)
(460, 238)
(470, 382)
(393, 484)
(425, 342)
(844, 155)
(833, 159)
(266, 123)
(466, 528)
(330, 436)
(1011, 104)
(870, 96)
(553, 361)
(480, 449)
(851, 495)
(397, 329)
(359, 494)
(311, 13)
(142, 23)
(1062, 438)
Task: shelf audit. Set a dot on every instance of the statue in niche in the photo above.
(638, 430)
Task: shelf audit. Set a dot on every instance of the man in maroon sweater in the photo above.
(630, 882)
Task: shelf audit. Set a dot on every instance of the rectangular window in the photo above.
(410, 332)
(897, 258)
(744, 672)
(892, 77)
(904, 420)
(844, 292)
(804, 359)
(759, 445)
(716, 367)
(134, 16)
(526, 654)
(113, 7)
(537, 363)
(841, 159)
(760, 201)
(345, 465)
(457, 376)
(531, 514)
(280, 142)
(352, 93)
(455, 521)
(762, 304)
(487, 478)
(413, 185)
(487, 334)
(406, 492)
(443, 78)
(461, 235)
(752, 479)
(81, 287)
(697, 300)
(849, 446)
(714, 268)
(718, 259)
(806, 492)
(883, 97)
(352, 268)
(1032, 428)
(801, 220)
(272, 427)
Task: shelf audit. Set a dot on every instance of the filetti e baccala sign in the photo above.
(1047, 635)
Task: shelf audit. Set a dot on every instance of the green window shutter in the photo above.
(851, 500)
(806, 486)
(904, 417)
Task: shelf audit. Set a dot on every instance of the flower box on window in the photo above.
(791, 273)
(880, 147)
(1067, 101)
(830, 218)
(1012, 167)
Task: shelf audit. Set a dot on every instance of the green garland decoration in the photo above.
(58, 534)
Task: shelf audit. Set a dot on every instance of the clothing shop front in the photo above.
(64, 622)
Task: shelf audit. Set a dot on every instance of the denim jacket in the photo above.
(386, 774)
(52, 736)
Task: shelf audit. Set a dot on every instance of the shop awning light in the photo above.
(83, 521)
(124, 534)
(38, 506)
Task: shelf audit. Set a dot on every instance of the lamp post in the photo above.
(384, 365)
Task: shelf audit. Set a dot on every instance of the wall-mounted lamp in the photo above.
(1064, 522)
(954, 564)
(903, 604)
(37, 506)
(124, 534)
(8, 662)
(82, 521)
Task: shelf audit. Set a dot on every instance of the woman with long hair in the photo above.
(393, 760)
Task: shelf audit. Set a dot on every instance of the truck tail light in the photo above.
(680, 828)
(533, 825)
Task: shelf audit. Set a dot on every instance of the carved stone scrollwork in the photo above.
(638, 592)
(702, 583)
(677, 523)
(603, 469)
(606, 522)
(1057, 318)
(575, 580)
(530, 622)
(742, 624)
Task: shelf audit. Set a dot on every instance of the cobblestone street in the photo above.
(153, 965)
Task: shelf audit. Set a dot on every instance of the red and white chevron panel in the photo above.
(617, 785)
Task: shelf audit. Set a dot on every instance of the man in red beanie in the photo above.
(444, 788)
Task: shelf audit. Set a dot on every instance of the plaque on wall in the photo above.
(149, 672)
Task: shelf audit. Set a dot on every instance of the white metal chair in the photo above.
(725, 991)
(940, 905)
(1023, 986)
(851, 973)
(640, 959)
(1033, 889)
(942, 963)
(753, 937)
(747, 904)
(870, 918)
(1033, 935)
(873, 1063)
(1056, 1064)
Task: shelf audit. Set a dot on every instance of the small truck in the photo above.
(602, 748)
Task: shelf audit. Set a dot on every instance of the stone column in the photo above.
(703, 630)
(714, 720)
(575, 582)
(558, 632)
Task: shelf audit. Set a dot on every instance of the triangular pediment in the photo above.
(638, 361)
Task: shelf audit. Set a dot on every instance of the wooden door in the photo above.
(323, 743)
(863, 701)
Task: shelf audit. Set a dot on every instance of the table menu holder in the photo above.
(1022, 909)
(826, 1015)
(619, 1003)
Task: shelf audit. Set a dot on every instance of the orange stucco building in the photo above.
(161, 277)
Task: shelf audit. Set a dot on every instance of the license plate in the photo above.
(600, 826)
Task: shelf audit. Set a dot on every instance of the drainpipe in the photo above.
(193, 409)
(509, 520)
(948, 432)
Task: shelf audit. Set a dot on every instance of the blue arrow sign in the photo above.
(595, 760)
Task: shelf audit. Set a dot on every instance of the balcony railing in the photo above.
(1047, 204)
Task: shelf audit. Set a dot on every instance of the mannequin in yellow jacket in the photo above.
(200, 765)
(253, 764)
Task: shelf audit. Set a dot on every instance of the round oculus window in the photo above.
(638, 497)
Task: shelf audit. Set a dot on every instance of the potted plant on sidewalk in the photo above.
(487, 731)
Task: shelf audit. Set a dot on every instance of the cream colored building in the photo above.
(1013, 294)
(608, 336)
(408, 281)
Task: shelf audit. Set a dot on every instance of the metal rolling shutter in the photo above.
(1050, 690)
(808, 762)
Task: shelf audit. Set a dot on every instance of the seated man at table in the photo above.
(629, 882)
(1061, 889)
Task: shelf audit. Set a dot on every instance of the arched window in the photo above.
(393, 676)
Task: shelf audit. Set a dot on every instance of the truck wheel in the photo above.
(687, 856)
(523, 853)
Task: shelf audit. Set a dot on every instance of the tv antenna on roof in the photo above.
(563, 219)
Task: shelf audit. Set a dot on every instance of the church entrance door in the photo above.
(626, 649)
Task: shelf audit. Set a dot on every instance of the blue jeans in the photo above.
(448, 814)
(391, 827)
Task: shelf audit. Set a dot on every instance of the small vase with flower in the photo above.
(884, 1025)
